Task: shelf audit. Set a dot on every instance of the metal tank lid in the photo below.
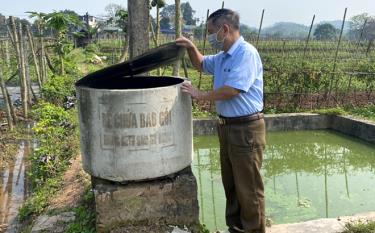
(152, 59)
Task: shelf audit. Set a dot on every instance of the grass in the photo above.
(85, 215)
(360, 227)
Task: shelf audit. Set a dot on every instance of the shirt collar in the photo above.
(235, 46)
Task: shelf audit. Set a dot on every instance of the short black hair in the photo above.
(227, 16)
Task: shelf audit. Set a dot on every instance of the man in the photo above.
(238, 95)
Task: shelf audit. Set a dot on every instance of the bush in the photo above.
(58, 88)
(92, 48)
(56, 134)
(360, 227)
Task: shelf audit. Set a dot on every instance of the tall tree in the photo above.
(325, 31)
(60, 22)
(168, 14)
(112, 9)
(188, 14)
(40, 25)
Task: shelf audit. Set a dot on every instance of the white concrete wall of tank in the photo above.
(135, 134)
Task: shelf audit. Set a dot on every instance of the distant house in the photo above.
(91, 20)
(187, 29)
(3, 20)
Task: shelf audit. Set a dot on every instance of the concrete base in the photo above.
(168, 201)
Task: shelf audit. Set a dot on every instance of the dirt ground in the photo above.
(74, 182)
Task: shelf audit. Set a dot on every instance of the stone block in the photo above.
(168, 201)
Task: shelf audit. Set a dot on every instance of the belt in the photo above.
(241, 119)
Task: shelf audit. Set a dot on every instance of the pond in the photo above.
(307, 175)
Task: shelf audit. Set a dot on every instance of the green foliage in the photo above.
(158, 3)
(331, 111)
(360, 227)
(367, 112)
(56, 133)
(38, 201)
(57, 88)
(199, 113)
(92, 48)
(85, 215)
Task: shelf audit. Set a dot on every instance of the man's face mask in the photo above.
(214, 42)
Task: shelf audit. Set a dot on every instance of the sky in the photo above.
(299, 11)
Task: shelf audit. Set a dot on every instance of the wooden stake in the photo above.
(31, 44)
(7, 101)
(260, 28)
(176, 65)
(204, 48)
(24, 86)
(337, 52)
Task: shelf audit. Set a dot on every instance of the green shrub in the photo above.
(85, 215)
(331, 111)
(58, 88)
(360, 227)
(92, 48)
(55, 131)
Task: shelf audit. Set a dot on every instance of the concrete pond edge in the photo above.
(348, 125)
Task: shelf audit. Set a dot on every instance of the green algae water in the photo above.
(307, 175)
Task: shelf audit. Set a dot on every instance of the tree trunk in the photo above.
(7, 102)
(176, 65)
(31, 44)
(138, 22)
(49, 63)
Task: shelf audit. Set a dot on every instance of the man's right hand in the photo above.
(195, 56)
(184, 42)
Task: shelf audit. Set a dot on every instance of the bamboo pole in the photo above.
(308, 37)
(24, 85)
(42, 59)
(15, 35)
(336, 54)
(7, 102)
(7, 54)
(157, 31)
(260, 28)
(176, 65)
(362, 31)
(204, 48)
(31, 44)
(31, 94)
(304, 56)
(12, 112)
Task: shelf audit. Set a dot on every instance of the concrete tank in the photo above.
(134, 128)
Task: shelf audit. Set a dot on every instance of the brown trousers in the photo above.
(241, 155)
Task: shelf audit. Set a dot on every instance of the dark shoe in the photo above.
(235, 229)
